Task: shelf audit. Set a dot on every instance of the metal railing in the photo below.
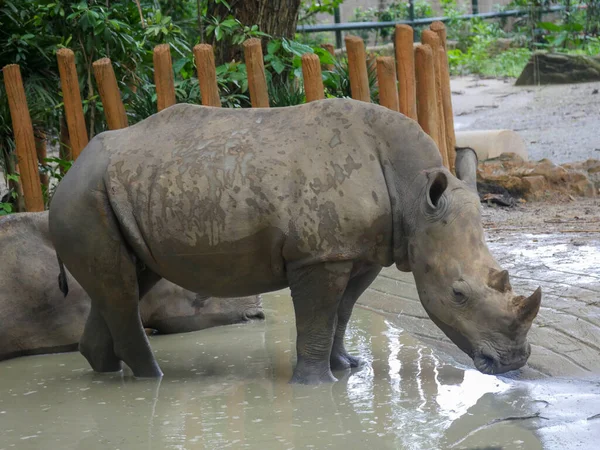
(349, 26)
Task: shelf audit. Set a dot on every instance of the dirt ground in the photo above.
(558, 122)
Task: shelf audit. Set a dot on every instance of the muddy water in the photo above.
(228, 388)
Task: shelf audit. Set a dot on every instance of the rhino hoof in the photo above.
(344, 361)
(311, 373)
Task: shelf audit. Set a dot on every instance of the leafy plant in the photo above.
(285, 92)
(9, 200)
(561, 36)
(394, 11)
(285, 56)
(337, 81)
(55, 169)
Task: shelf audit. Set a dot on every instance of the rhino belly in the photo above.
(242, 267)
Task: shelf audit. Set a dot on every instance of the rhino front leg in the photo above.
(316, 292)
(340, 359)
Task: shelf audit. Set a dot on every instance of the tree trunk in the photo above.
(277, 18)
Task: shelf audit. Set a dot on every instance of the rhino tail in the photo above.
(63, 284)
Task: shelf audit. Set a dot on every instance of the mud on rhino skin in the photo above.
(36, 317)
(317, 197)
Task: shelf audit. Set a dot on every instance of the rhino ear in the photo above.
(437, 186)
(498, 280)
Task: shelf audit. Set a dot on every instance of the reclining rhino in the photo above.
(317, 197)
(36, 318)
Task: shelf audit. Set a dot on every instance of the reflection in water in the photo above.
(228, 388)
(455, 400)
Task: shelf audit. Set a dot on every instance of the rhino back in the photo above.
(250, 191)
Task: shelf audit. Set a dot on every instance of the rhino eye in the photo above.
(458, 295)
(460, 291)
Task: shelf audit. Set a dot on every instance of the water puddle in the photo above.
(227, 387)
(581, 258)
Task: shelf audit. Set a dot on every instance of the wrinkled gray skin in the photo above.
(35, 316)
(466, 166)
(316, 197)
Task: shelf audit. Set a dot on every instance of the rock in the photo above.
(509, 174)
(534, 184)
(558, 68)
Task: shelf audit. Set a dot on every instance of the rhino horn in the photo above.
(498, 280)
(527, 308)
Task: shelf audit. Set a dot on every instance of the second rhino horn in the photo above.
(498, 280)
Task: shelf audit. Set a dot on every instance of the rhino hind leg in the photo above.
(96, 344)
(117, 295)
(106, 269)
(340, 358)
(316, 293)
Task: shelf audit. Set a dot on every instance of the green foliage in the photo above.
(310, 8)
(509, 63)
(285, 57)
(285, 92)
(337, 81)
(394, 11)
(55, 169)
(232, 29)
(7, 203)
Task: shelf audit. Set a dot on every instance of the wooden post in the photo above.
(313, 81)
(64, 143)
(425, 87)
(388, 90)
(207, 74)
(449, 132)
(72, 99)
(163, 77)
(257, 81)
(40, 149)
(440, 29)
(24, 140)
(406, 70)
(357, 66)
(431, 38)
(110, 95)
(331, 49)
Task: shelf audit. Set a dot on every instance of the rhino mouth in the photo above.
(486, 364)
(491, 365)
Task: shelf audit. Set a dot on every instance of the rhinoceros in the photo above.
(317, 197)
(35, 317)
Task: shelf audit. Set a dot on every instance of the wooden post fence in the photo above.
(357, 66)
(405, 64)
(110, 95)
(431, 38)
(388, 89)
(313, 81)
(257, 81)
(425, 87)
(24, 140)
(42, 154)
(331, 49)
(69, 83)
(207, 74)
(163, 77)
(440, 29)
